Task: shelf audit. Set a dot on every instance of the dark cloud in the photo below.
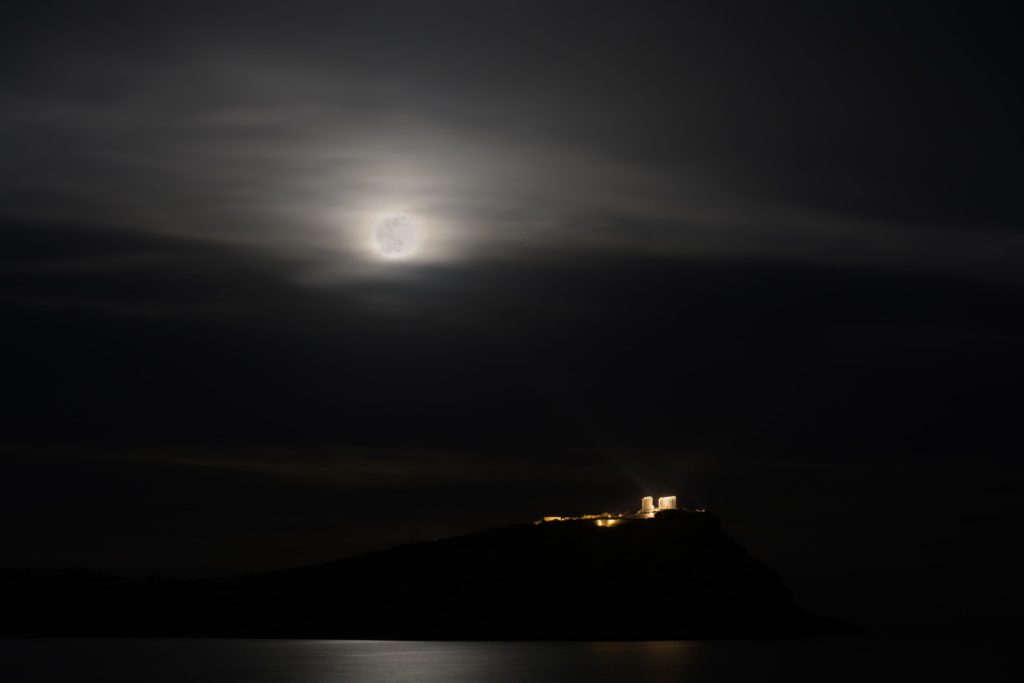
(159, 337)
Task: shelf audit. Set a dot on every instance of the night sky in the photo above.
(765, 256)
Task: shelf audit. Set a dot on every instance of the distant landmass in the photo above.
(669, 577)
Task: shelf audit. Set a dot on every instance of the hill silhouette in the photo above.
(670, 577)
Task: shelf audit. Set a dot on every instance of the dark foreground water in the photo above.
(322, 661)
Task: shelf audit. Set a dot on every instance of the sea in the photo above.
(828, 660)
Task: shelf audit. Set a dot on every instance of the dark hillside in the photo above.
(672, 577)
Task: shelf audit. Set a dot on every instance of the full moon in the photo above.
(396, 235)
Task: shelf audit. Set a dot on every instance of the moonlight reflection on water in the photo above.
(286, 661)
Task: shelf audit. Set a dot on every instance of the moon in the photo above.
(396, 235)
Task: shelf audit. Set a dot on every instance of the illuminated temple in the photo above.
(648, 510)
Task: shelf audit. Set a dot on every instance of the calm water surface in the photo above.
(322, 661)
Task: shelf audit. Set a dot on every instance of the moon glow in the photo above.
(396, 235)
